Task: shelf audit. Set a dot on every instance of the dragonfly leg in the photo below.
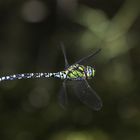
(63, 95)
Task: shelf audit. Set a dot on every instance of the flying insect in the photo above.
(75, 73)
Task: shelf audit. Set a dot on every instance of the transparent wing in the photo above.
(63, 101)
(88, 57)
(64, 53)
(87, 95)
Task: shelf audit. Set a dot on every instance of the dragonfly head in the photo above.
(90, 72)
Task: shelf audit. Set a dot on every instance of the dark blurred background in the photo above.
(30, 34)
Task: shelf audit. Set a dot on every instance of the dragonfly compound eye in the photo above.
(90, 72)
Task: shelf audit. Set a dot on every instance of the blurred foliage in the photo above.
(30, 33)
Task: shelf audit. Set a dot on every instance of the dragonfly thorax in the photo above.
(78, 72)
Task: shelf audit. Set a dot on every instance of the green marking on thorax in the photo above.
(74, 72)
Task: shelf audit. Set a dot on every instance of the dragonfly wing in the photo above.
(63, 95)
(87, 95)
(88, 57)
(64, 53)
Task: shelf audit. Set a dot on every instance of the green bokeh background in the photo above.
(30, 33)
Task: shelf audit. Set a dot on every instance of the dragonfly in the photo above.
(77, 74)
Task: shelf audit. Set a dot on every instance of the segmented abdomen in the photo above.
(61, 75)
(25, 76)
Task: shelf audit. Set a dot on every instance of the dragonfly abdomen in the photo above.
(60, 75)
(25, 76)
